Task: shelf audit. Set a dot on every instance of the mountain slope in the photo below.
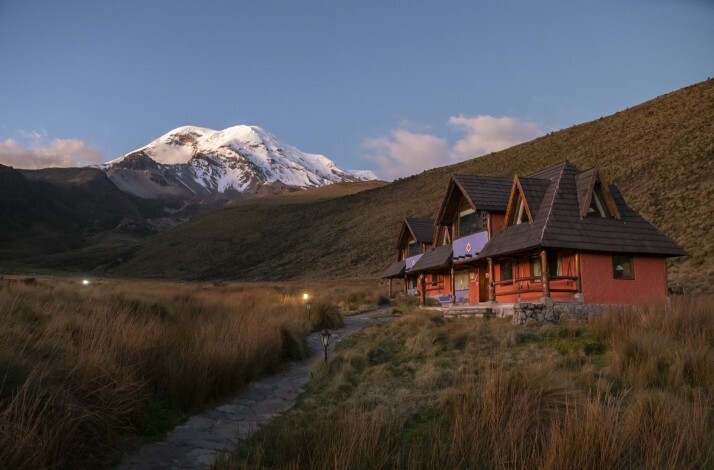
(197, 163)
(660, 153)
(56, 209)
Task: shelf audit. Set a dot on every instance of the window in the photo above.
(535, 268)
(434, 279)
(555, 266)
(413, 248)
(595, 205)
(461, 280)
(623, 267)
(506, 270)
(521, 215)
(470, 222)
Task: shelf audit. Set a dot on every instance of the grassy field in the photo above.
(660, 153)
(633, 389)
(86, 371)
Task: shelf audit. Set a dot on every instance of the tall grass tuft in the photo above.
(83, 368)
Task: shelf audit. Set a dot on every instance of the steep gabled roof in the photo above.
(558, 223)
(421, 229)
(434, 260)
(489, 193)
(395, 269)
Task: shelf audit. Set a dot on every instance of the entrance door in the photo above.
(461, 283)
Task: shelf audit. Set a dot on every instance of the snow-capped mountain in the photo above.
(195, 161)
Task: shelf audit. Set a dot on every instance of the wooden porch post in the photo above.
(422, 279)
(545, 275)
(390, 287)
(453, 287)
(579, 281)
(491, 285)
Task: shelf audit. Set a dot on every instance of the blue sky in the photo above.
(391, 86)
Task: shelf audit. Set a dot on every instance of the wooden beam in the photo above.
(453, 287)
(491, 285)
(545, 276)
(422, 277)
(579, 281)
(390, 287)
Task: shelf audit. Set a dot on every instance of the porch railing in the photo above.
(538, 287)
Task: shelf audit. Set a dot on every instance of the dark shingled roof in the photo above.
(435, 259)
(422, 229)
(395, 269)
(533, 191)
(557, 223)
(489, 193)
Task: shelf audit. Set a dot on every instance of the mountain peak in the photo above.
(241, 158)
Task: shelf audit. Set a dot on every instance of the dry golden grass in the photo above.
(85, 368)
(423, 392)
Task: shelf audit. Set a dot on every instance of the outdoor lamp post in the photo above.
(308, 304)
(325, 341)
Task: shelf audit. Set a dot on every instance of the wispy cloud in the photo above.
(41, 152)
(485, 134)
(404, 152)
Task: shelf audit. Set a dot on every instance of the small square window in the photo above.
(434, 279)
(506, 270)
(623, 267)
(536, 272)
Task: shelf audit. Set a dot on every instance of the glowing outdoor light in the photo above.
(325, 335)
(308, 304)
(85, 282)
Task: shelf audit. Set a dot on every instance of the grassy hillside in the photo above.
(660, 153)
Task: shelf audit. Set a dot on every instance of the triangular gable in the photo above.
(517, 194)
(589, 182)
(454, 193)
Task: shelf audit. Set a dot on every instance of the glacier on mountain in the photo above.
(242, 158)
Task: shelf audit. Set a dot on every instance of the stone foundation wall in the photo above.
(524, 312)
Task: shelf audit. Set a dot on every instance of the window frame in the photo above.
(501, 270)
(622, 261)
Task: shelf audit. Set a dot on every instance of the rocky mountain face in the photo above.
(195, 163)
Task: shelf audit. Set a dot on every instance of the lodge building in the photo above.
(557, 235)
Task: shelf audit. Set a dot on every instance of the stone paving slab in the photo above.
(198, 442)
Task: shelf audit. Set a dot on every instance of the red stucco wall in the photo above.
(497, 222)
(599, 286)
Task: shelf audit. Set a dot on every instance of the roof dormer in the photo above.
(594, 196)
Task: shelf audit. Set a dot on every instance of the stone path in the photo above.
(197, 442)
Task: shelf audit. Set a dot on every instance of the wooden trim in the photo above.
(453, 286)
(578, 281)
(607, 196)
(545, 275)
(491, 284)
(513, 202)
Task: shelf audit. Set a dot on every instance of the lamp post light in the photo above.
(308, 304)
(325, 335)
